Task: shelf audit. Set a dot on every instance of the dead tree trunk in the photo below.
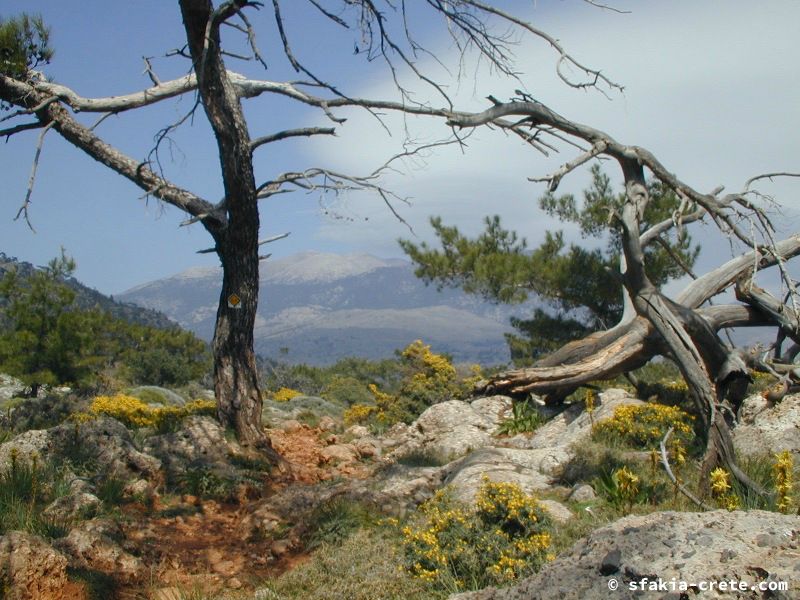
(235, 375)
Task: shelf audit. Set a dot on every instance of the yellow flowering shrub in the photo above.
(285, 394)
(359, 414)
(644, 425)
(134, 413)
(721, 489)
(503, 536)
(783, 471)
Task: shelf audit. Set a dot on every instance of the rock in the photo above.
(367, 447)
(400, 486)
(768, 429)
(556, 511)
(260, 522)
(356, 431)
(223, 564)
(234, 583)
(10, 387)
(139, 488)
(280, 548)
(292, 425)
(327, 423)
(96, 545)
(199, 442)
(30, 569)
(73, 507)
(681, 547)
(107, 443)
(453, 428)
(153, 394)
(36, 442)
(338, 453)
(582, 492)
(532, 470)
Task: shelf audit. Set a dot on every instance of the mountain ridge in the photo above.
(324, 306)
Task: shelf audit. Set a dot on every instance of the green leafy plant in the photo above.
(525, 418)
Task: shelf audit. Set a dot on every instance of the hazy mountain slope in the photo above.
(324, 306)
(88, 298)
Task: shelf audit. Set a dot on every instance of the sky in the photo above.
(711, 87)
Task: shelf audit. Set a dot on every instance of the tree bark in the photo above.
(236, 386)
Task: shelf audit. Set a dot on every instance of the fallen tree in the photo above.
(652, 324)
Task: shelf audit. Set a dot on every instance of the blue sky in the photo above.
(711, 87)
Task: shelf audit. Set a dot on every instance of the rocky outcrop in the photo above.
(752, 547)
(767, 428)
(531, 460)
(199, 442)
(10, 387)
(96, 545)
(30, 569)
(106, 443)
(24, 447)
(72, 507)
(451, 429)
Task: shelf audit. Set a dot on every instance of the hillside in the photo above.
(322, 307)
(88, 298)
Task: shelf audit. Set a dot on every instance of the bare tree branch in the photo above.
(23, 210)
(287, 133)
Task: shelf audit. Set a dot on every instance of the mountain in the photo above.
(322, 307)
(88, 298)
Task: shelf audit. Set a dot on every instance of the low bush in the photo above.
(643, 426)
(525, 418)
(504, 536)
(135, 413)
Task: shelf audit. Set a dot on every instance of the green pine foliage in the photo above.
(24, 45)
(46, 340)
(580, 286)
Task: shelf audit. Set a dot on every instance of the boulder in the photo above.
(673, 547)
(766, 428)
(26, 445)
(582, 492)
(72, 507)
(532, 470)
(96, 545)
(30, 569)
(338, 453)
(452, 428)
(200, 441)
(572, 424)
(10, 387)
(557, 512)
(107, 443)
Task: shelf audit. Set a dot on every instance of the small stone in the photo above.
(280, 548)
(234, 583)
(582, 493)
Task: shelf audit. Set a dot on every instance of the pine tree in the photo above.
(580, 286)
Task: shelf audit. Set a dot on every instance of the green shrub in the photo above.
(525, 418)
(336, 519)
(346, 390)
(204, 483)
